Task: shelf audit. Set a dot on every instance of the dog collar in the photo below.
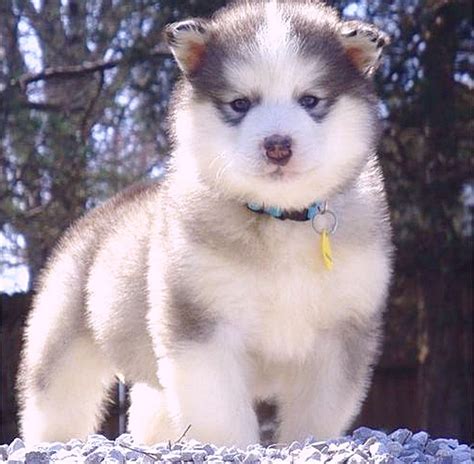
(306, 214)
(314, 213)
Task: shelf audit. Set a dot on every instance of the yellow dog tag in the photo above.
(326, 250)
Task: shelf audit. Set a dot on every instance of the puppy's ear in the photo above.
(187, 40)
(363, 44)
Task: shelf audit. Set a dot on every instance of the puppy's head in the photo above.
(276, 104)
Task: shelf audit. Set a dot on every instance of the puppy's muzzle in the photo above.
(278, 149)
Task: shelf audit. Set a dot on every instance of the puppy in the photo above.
(257, 271)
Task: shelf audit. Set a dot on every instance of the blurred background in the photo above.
(84, 87)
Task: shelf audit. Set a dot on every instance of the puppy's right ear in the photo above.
(363, 44)
(187, 40)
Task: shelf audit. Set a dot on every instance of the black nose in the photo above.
(278, 149)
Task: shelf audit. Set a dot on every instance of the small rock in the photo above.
(363, 434)
(186, 455)
(209, 449)
(370, 441)
(255, 447)
(161, 450)
(401, 435)
(12, 460)
(145, 459)
(394, 448)
(450, 442)
(309, 453)
(173, 457)
(362, 452)
(18, 456)
(384, 459)
(420, 438)
(199, 455)
(341, 457)
(411, 458)
(464, 448)
(37, 457)
(64, 454)
(461, 456)
(320, 445)
(294, 446)
(132, 455)
(356, 459)
(56, 446)
(215, 459)
(333, 447)
(413, 452)
(3, 452)
(125, 439)
(15, 445)
(115, 455)
(95, 457)
(251, 458)
(89, 448)
(377, 448)
(380, 435)
(443, 458)
(74, 443)
(272, 453)
(444, 452)
(431, 447)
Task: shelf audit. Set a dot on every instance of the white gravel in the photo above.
(363, 446)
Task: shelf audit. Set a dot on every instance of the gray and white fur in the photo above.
(204, 306)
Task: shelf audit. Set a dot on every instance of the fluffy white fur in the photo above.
(279, 319)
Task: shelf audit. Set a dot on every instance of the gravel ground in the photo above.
(363, 446)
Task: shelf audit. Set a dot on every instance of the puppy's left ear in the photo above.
(187, 40)
(363, 44)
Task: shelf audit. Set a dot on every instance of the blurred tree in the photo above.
(72, 137)
(426, 84)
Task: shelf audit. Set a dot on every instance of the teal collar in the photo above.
(306, 214)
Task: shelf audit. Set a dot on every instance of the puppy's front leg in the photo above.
(324, 394)
(206, 387)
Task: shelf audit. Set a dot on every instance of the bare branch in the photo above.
(40, 106)
(87, 67)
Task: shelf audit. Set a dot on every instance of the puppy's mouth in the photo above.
(266, 171)
(281, 173)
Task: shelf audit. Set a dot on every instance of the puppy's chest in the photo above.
(280, 298)
(279, 302)
(283, 313)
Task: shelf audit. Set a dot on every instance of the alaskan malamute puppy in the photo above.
(257, 271)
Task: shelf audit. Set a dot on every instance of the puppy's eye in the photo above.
(308, 102)
(240, 105)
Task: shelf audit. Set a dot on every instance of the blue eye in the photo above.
(240, 105)
(308, 102)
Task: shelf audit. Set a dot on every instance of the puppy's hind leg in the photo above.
(62, 395)
(63, 374)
